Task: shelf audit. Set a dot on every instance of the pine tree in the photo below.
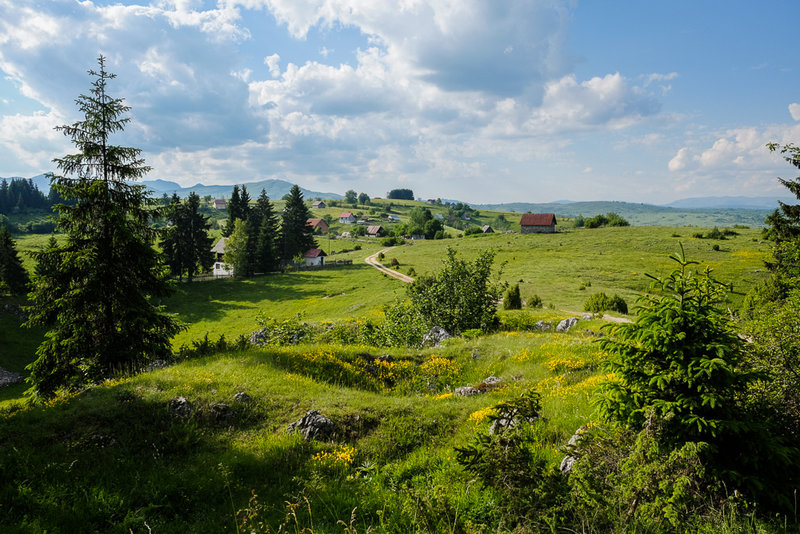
(13, 277)
(186, 244)
(95, 294)
(267, 236)
(234, 211)
(297, 235)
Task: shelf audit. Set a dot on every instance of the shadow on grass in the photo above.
(210, 300)
(111, 460)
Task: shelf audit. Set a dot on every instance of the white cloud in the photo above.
(680, 161)
(794, 110)
(272, 62)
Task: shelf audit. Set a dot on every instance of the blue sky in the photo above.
(482, 101)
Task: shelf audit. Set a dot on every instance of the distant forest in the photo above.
(22, 195)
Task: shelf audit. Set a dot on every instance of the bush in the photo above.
(460, 296)
(600, 302)
(512, 300)
(535, 302)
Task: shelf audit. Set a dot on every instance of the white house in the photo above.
(315, 257)
(347, 218)
(220, 267)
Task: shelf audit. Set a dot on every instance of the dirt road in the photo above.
(373, 260)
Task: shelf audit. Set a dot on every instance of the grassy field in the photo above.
(114, 458)
(392, 458)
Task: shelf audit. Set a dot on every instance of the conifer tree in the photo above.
(186, 243)
(266, 236)
(95, 294)
(234, 211)
(297, 235)
(13, 277)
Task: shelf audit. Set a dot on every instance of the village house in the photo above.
(220, 267)
(486, 229)
(347, 218)
(393, 218)
(318, 225)
(375, 231)
(538, 223)
(220, 204)
(318, 204)
(314, 257)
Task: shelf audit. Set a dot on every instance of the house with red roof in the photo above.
(538, 223)
(315, 257)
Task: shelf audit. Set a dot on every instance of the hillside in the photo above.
(645, 214)
(180, 449)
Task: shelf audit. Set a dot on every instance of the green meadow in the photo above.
(115, 458)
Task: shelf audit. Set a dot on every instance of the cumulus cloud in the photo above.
(794, 110)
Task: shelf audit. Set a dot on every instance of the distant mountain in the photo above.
(276, 189)
(755, 203)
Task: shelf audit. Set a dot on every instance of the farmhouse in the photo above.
(375, 231)
(538, 223)
(315, 257)
(318, 225)
(318, 204)
(220, 267)
(486, 229)
(347, 218)
(220, 204)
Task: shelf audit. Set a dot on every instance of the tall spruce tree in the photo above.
(96, 294)
(13, 277)
(234, 211)
(186, 243)
(267, 236)
(297, 235)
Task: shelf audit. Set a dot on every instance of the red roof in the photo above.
(314, 253)
(345, 215)
(538, 219)
(315, 222)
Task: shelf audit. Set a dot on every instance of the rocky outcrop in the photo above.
(435, 336)
(566, 324)
(313, 425)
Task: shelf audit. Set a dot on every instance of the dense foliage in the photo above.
(13, 277)
(461, 296)
(400, 194)
(600, 302)
(94, 292)
(21, 195)
(186, 243)
(296, 235)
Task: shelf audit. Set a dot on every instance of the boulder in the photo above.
(241, 397)
(435, 336)
(566, 324)
(181, 407)
(466, 391)
(313, 425)
(569, 460)
(7, 378)
(543, 325)
(221, 413)
(259, 338)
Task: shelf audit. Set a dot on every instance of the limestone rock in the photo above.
(566, 324)
(313, 425)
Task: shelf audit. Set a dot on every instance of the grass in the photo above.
(61, 462)
(114, 458)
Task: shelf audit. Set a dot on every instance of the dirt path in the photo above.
(373, 260)
(606, 317)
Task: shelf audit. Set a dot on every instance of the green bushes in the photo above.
(512, 300)
(600, 302)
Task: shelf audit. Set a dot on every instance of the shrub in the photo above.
(460, 296)
(535, 302)
(600, 302)
(512, 300)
